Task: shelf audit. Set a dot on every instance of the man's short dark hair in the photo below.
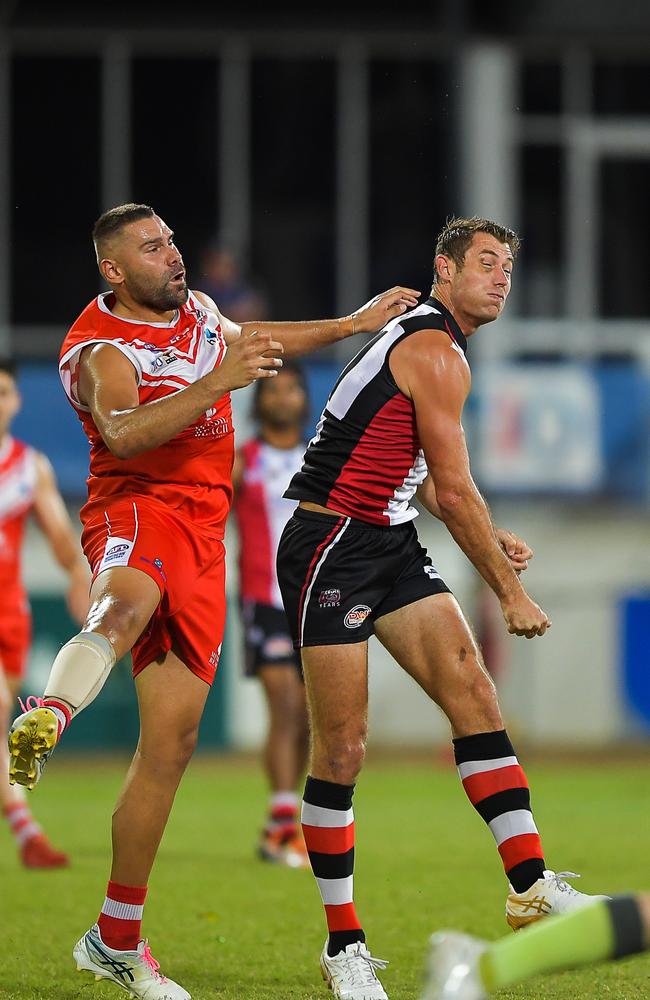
(114, 220)
(454, 240)
(8, 366)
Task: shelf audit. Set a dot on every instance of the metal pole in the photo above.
(116, 123)
(234, 148)
(583, 223)
(5, 197)
(489, 177)
(352, 162)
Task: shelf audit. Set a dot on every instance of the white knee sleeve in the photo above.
(80, 670)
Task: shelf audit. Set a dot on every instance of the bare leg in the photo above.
(433, 642)
(122, 600)
(171, 700)
(287, 744)
(336, 679)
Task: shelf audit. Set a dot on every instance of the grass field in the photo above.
(226, 926)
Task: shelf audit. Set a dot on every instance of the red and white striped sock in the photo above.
(21, 822)
(62, 712)
(328, 827)
(121, 917)
(497, 788)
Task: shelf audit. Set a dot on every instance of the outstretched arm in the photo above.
(55, 524)
(302, 338)
(108, 386)
(436, 377)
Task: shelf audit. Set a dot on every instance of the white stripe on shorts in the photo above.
(479, 766)
(322, 559)
(122, 911)
(320, 816)
(512, 824)
(336, 891)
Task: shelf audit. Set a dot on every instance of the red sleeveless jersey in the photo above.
(191, 473)
(17, 485)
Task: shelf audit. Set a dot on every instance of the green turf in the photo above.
(226, 926)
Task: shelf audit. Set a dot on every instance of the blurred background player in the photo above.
(263, 468)
(465, 968)
(27, 485)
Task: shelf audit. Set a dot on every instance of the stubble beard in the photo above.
(161, 299)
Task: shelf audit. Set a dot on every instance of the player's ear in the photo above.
(111, 271)
(444, 267)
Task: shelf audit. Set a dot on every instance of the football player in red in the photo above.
(148, 367)
(27, 486)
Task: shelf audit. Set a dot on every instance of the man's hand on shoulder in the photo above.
(381, 309)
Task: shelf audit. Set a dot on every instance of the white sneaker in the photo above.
(32, 738)
(136, 972)
(453, 972)
(549, 896)
(351, 974)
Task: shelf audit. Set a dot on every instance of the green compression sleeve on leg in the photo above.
(581, 937)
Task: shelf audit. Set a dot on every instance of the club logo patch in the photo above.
(329, 598)
(115, 550)
(116, 553)
(356, 616)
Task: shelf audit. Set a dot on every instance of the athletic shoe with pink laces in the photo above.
(137, 972)
(32, 738)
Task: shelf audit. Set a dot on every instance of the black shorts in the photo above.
(267, 640)
(338, 575)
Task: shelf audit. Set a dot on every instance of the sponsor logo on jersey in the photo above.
(166, 358)
(329, 598)
(356, 616)
(212, 426)
(211, 335)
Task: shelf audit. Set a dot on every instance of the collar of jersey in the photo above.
(101, 302)
(453, 328)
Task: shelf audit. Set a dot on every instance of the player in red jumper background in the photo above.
(264, 465)
(27, 486)
(148, 367)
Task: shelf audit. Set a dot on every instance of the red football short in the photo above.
(188, 566)
(15, 638)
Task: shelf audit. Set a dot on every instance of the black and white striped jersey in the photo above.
(365, 459)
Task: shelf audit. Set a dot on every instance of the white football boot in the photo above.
(453, 971)
(32, 738)
(351, 974)
(135, 972)
(550, 896)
